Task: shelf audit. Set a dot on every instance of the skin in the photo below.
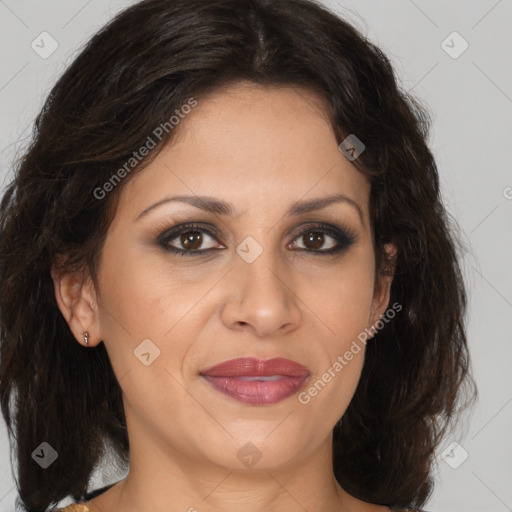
(260, 149)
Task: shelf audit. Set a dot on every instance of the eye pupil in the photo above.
(316, 238)
(188, 239)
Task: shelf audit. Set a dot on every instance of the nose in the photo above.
(262, 298)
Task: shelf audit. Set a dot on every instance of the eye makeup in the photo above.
(174, 238)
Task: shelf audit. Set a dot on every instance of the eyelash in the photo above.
(344, 238)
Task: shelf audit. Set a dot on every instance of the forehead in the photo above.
(254, 147)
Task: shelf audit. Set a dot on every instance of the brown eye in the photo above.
(314, 240)
(188, 240)
(191, 240)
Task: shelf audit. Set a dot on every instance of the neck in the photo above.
(174, 482)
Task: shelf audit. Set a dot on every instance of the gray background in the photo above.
(470, 98)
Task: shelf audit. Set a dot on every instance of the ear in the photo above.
(382, 288)
(76, 298)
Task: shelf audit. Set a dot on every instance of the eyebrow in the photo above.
(219, 207)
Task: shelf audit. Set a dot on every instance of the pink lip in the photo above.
(230, 378)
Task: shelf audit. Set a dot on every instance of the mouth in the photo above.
(253, 381)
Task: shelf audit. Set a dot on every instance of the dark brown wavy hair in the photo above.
(130, 78)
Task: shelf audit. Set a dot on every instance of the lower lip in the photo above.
(256, 392)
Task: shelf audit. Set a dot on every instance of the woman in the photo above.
(224, 259)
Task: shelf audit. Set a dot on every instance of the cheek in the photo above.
(344, 311)
(143, 317)
(342, 296)
(130, 313)
(325, 400)
(344, 306)
(144, 301)
(138, 296)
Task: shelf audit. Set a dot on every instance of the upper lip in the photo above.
(252, 367)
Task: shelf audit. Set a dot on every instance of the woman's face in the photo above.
(265, 286)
